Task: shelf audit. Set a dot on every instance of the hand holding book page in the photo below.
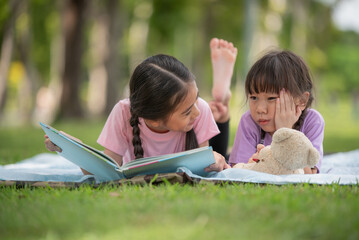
(219, 165)
(53, 147)
(103, 166)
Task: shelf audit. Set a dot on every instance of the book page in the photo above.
(99, 153)
(149, 160)
(195, 160)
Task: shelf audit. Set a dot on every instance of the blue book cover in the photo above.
(99, 164)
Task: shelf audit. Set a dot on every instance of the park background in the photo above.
(71, 60)
(67, 62)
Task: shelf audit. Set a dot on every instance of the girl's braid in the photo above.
(136, 141)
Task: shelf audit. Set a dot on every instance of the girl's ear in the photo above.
(153, 123)
(303, 100)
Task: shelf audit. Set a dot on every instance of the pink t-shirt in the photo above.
(117, 133)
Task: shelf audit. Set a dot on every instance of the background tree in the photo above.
(11, 12)
(74, 19)
(104, 79)
(74, 57)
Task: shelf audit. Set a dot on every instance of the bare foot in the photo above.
(223, 56)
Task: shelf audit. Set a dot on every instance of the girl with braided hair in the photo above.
(279, 91)
(164, 114)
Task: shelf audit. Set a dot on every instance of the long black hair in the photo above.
(281, 69)
(157, 86)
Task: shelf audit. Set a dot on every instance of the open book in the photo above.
(101, 165)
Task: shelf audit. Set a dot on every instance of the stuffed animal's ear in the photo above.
(313, 157)
(282, 134)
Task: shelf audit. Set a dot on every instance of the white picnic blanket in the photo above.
(340, 168)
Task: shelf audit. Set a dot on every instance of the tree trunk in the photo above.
(73, 28)
(104, 83)
(28, 89)
(7, 50)
(138, 35)
(299, 28)
(48, 97)
(99, 50)
(250, 27)
(113, 61)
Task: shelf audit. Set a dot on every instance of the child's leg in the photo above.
(223, 56)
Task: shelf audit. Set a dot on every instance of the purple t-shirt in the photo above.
(248, 136)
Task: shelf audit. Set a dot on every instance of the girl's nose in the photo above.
(262, 107)
(195, 111)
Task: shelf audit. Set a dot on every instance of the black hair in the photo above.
(278, 70)
(157, 86)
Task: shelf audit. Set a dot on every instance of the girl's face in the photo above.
(262, 107)
(182, 119)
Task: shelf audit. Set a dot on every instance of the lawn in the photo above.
(203, 211)
(243, 211)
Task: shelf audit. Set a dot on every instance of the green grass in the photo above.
(243, 211)
(341, 127)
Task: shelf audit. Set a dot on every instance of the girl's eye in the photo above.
(253, 98)
(188, 113)
(272, 98)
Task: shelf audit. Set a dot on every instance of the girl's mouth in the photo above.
(263, 122)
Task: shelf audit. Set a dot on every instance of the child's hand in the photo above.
(287, 113)
(219, 165)
(308, 170)
(51, 146)
(256, 155)
(86, 172)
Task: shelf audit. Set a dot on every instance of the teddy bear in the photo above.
(289, 152)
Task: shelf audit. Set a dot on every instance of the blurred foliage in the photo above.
(4, 15)
(183, 28)
(344, 61)
(45, 24)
